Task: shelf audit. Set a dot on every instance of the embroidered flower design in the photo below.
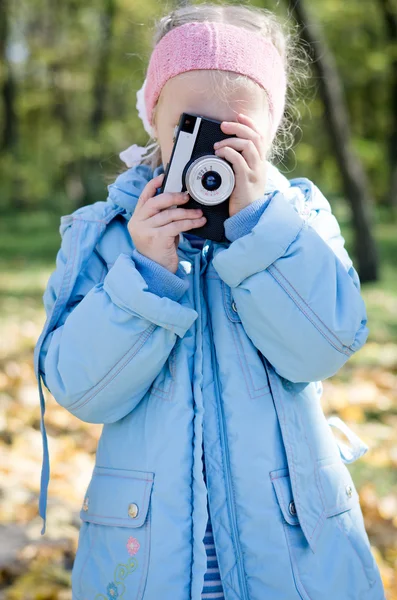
(116, 588)
(132, 545)
(112, 591)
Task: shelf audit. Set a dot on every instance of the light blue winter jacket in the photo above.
(228, 352)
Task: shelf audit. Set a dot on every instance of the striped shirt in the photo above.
(212, 589)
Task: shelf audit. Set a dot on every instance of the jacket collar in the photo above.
(128, 186)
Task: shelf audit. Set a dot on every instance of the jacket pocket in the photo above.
(342, 563)
(113, 552)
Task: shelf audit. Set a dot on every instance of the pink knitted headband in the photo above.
(210, 45)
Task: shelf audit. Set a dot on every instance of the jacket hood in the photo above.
(128, 186)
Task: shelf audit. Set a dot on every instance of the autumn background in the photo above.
(69, 72)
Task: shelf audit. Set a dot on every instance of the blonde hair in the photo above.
(264, 22)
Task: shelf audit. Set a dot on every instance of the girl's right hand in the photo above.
(155, 226)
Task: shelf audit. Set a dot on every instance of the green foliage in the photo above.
(62, 159)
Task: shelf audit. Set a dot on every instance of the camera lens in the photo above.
(211, 180)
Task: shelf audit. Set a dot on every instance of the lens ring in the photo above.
(198, 169)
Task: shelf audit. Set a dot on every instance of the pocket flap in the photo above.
(282, 486)
(338, 490)
(117, 497)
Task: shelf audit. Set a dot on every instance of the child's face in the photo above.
(192, 92)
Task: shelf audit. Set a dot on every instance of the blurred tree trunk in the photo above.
(390, 17)
(53, 33)
(9, 133)
(102, 72)
(60, 106)
(354, 178)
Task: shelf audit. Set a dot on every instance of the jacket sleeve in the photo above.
(114, 336)
(294, 285)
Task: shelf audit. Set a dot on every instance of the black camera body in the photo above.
(195, 168)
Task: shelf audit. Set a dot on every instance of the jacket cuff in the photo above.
(277, 228)
(160, 280)
(242, 222)
(128, 290)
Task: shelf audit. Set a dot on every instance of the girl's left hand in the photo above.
(247, 154)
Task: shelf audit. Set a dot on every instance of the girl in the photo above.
(216, 474)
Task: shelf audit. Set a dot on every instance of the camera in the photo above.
(195, 168)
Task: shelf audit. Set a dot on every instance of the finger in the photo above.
(239, 163)
(246, 147)
(165, 200)
(176, 227)
(150, 190)
(246, 132)
(173, 214)
(246, 120)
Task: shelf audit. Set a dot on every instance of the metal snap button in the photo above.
(349, 491)
(133, 510)
(85, 505)
(292, 508)
(234, 307)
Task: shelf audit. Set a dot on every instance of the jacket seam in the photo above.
(86, 557)
(118, 476)
(164, 393)
(235, 329)
(343, 348)
(66, 279)
(240, 359)
(291, 467)
(103, 274)
(90, 220)
(113, 212)
(143, 337)
(252, 390)
(224, 467)
(105, 221)
(322, 516)
(319, 318)
(283, 505)
(288, 446)
(54, 311)
(295, 570)
(283, 424)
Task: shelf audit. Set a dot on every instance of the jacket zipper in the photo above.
(230, 504)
